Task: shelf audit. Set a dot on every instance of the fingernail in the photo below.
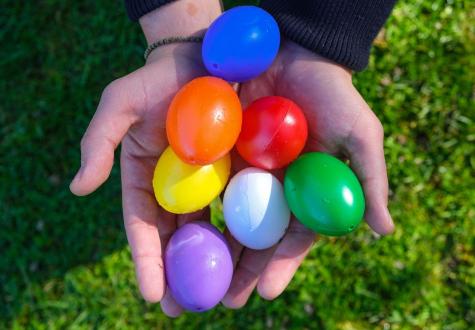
(391, 222)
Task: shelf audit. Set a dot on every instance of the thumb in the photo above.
(110, 123)
(366, 153)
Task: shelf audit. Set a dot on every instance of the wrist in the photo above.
(296, 54)
(179, 18)
(191, 50)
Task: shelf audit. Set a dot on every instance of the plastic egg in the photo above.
(198, 266)
(241, 43)
(255, 209)
(204, 120)
(324, 194)
(274, 132)
(183, 188)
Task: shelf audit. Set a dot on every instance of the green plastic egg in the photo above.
(324, 194)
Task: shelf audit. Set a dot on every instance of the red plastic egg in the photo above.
(204, 120)
(273, 133)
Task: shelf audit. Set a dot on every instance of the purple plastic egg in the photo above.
(198, 266)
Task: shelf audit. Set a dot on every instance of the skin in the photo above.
(341, 123)
(132, 112)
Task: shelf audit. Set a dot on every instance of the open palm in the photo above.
(341, 123)
(133, 111)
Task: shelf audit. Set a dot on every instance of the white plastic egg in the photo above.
(255, 209)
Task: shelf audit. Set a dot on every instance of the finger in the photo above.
(250, 266)
(288, 256)
(315, 145)
(169, 306)
(255, 89)
(235, 246)
(366, 153)
(110, 123)
(148, 227)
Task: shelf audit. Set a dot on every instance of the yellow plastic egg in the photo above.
(183, 188)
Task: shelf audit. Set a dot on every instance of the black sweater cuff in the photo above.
(138, 8)
(340, 30)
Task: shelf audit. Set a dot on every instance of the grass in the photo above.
(64, 261)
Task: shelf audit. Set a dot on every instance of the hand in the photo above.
(132, 110)
(340, 123)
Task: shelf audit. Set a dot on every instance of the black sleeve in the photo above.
(341, 30)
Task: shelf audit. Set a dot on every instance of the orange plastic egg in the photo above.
(204, 120)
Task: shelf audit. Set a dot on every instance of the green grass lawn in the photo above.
(64, 261)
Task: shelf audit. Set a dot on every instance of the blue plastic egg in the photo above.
(241, 44)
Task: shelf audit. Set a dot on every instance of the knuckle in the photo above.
(379, 129)
(84, 139)
(113, 87)
(110, 88)
(87, 139)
